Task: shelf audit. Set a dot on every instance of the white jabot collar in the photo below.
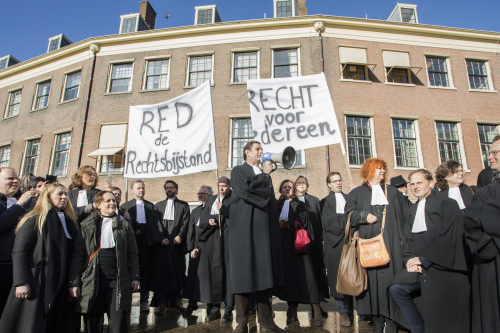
(169, 210)
(215, 210)
(285, 210)
(378, 196)
(302, 198)
(11, 202)
(82, 199)
(255, 168)
(454, 193)
(419, 224)
(141, 214)
(63, 221)
(107, 239)
(340, 203)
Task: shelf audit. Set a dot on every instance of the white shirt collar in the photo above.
(82, 199)
(11, 202)
(302, 198)
(169, 210)
(255, 168)
(378, 196)
(107, 239)
(285, 210)
(339, 203)
(419, 224)
(139, 210)
(454, 193)
(63, 222)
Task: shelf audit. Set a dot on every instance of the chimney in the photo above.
(301, 8)
(148, 14)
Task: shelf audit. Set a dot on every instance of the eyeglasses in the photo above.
(301, 183)
(459, 172)
(336, 181)
(493, 152)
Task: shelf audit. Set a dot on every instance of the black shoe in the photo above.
(228, 317)
(323, 312)
(189, 310)
(212, 317)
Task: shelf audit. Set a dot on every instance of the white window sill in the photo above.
(9, 117)
(152, 90)
(438, 87)
(484, 91)
(400, 84)
(35, 110)
(407, 168)
(237, 83)
(68, 101)
(360, 81)
(117, 93)
(104, 173)
(302, 166)
(192, 87)
(355, 166)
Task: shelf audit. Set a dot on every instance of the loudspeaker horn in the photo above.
(287, 158)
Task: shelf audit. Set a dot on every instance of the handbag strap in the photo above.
(297, 224)
(385, 210)
(347, 236)
(86, 263)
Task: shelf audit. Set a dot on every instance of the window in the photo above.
(128, 25)
(42, 95)
(397, 75)
(54, 44)
(61, 154)
(437, 68)
(359, 139)
(157, 74)
(241, 133)
(245, 66)
(200, 70)
(449, 141)
(486, 135)
(353, 63)
(286, 63)
(14, 104)
(405, 143)
(204, 16)
(408, 15)
(354, 72)
(72, 86)
(112, 163)
(4, 156)
(478, 75)
(121, 78)
(110, 151)
(284, 8)
(31, 156)
(3, 63)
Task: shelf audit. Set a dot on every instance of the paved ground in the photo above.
(173, 321)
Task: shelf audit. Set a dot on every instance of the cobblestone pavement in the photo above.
(173, 321)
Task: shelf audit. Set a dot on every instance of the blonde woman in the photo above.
(84, 182)
(41, 255)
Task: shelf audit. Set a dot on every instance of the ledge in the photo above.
(117, 93)
(68, 101)
(110, 173)
(10, 117)
(40, 109)
(153, 90)
(281, 167)
(400, 84)
(355, 166)
(192, 87)
(483, 91)
(444, 88)
(237, 83)
(359, 81)
(407, 168)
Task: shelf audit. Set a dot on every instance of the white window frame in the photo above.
(372, 135)
(60, 37)
(26, 140)
(246, 50)
(145, 78)
(275, 7)
(286, 47)
(212, 7)
(407, 6)
(110, 73)
(484, 123)
(488, 71)
(52, 158)
(344, 66)
(7, 144)
(230, 148)
(460, 138)
(35, 98)
(199, 54)
(448, 64)
(66, 75)
(13, 91)
(420, 158)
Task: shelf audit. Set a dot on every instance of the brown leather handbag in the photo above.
(372, 252)
(351, 277)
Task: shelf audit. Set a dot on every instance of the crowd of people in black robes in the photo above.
(69, 256)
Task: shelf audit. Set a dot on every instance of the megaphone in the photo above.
(287, 158)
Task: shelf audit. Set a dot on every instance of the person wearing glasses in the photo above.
(482, 232)
(450, 180)
(485, 177)
(81, 197)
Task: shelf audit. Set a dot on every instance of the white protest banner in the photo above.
(295, 112)
(172, 138)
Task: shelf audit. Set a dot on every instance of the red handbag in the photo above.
(302, 241)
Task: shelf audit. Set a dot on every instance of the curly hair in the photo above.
(76, 178)
(99, 197)
(370, 165)
(445, 170)
(282, 198)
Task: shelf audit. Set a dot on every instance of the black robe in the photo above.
(300, 282)
(444, 297)
(256, 260)
(485, 177)
(168, 273)
(141, 239)
(466, 191)
(316, 247)
(333, 234)
(482, 232)
(192, 287)
(73, 199)
(213, 268)
(376, 300)
(42, 260)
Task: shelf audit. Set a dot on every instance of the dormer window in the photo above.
(404, 13)
(132, 23)
(7, 61)
(206, 15)
(284, 8)
(57, 42)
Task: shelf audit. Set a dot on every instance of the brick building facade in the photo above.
(408, 93)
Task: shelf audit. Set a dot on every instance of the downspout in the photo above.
(94, 48)
(320, 28)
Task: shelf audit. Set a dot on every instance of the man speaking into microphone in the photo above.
(254, 239)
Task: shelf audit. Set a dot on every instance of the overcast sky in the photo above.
(26, 25)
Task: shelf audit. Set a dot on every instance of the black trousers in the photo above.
(264, 310)
(401, 295)
(166, 298)
(105, 302)
(6, 280)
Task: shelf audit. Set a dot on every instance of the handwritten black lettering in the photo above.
(288, 129)
(145, 123)
(161, 118)
(298, 115)
(308, 87)
(301, 129)
(275, 132)
(290, 117)
(130, 160)
(311, 129)
(324, 125)
(251, 95)
(281, 119)
(270, 121)
(262, 99)
(296, 97)
(190, 110)
(278, 99)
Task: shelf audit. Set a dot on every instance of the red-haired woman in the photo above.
(367, 203)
